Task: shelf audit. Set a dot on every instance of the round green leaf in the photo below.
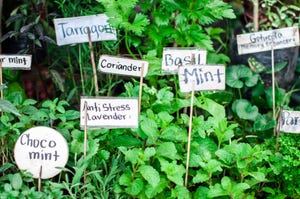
(245, 110)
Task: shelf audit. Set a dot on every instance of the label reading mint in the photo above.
(22, 62)
(201, 78)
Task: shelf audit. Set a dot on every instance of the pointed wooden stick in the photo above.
(189, 136)
(273, 89)
(278, 129)
(93, 63)
(40, 179)
(85, 137)
(1, 97)
(141, 88)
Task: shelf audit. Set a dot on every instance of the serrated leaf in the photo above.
(201, 192)
(29, 102)
(167, 150)
(79, 172)
(259, 176)
(173, 171)
(200, 177)
(151, 191)
(174, 133)
(125, 178)
(7, 106)
(132, 155)
(226, 184)
(225, 156)
(180, 192)
(150, 175)
(165, 118)
(16, 181)
(72, 114)
(149, 127)
(216, 191)
(139, 23)
(5, 166)
(135, 187)
(215, 109)
(125, 140)
(213, 166)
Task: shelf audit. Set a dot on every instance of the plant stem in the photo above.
(71, 69)
(81, 70)
(127, 45)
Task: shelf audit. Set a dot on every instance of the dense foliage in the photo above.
(233, 149)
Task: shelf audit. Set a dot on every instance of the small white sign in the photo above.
(201, 77)
(175, 57)
(21, 62)
(75, 29)
(122, 66)
(41, 150)
(290, 121)
(266, 40)
(109, 112)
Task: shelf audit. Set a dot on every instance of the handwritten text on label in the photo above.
(266, 40)
(16, 61)
(109, 112)
(75, 29)
(123, 66)
(175, 57)
(201, 77)
(41, 147)
(290, 121)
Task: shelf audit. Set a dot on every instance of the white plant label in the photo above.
(41, 150)
(175, 57)
(122, 66)
(201, 77)
(16, 61)
(109, 112)
(290, 121)
(266, 40)
(75, 29)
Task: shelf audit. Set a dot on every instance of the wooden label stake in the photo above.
(278, 129)
(93, 63)
(2, 139)
(141, 88)
(189, 136)
(85, 137)
(273, 88)
(40, 179)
